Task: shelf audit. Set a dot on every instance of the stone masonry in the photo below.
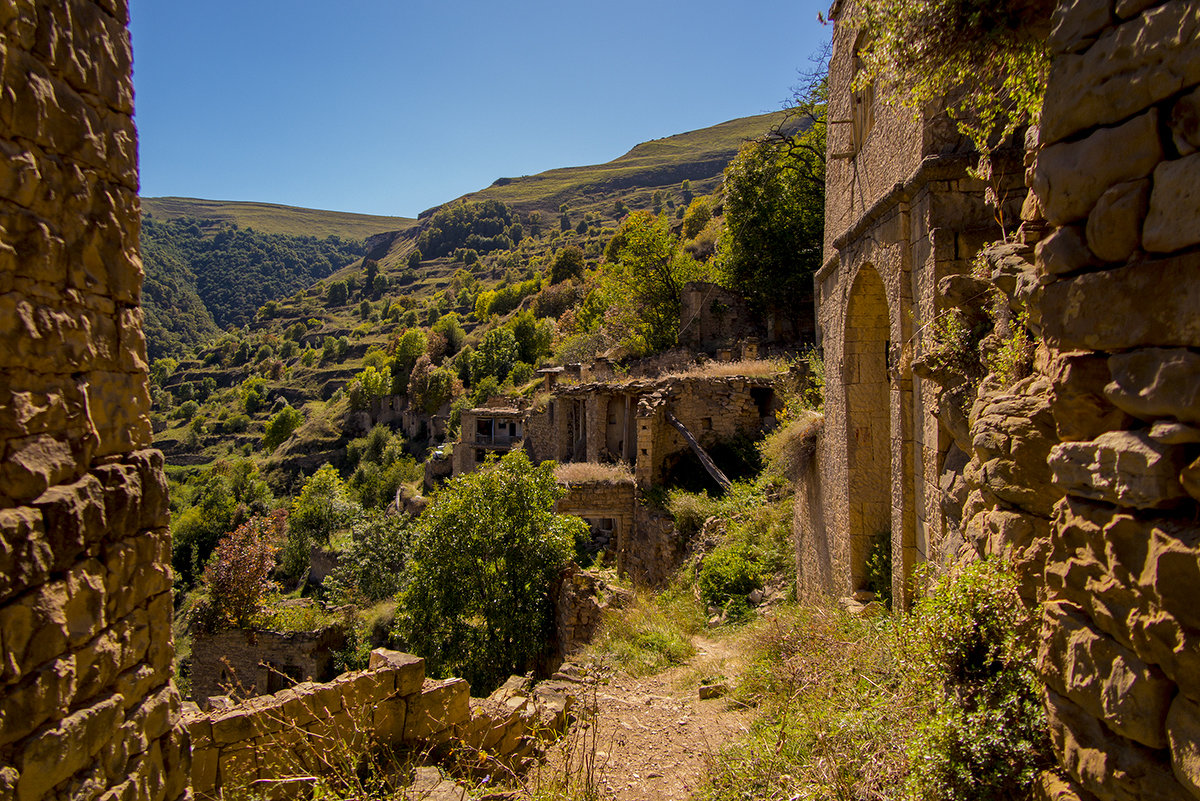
(901, 213)
(87, 705)
(1117, 308)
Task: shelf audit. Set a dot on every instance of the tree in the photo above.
(409, 348)
(339, 293)
(238, 574)
(450, 328)
(370, 569)
(640, 294)
(476, 601)
(775, 206)
(322, 509)
(496, 355)
(281, 426)
(568, 264)
(414, 259)
(533, 338)
(697, 216)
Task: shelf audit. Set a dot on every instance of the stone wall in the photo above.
(1117, 307)
(251, 662)
(310, 729)
(87, 706)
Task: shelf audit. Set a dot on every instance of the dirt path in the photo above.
(653, 735)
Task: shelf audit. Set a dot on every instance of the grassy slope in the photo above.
(270, 218)
(696, 155)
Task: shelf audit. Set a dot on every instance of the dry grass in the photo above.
(593, 473)
(746, 368)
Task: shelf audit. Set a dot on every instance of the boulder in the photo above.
(1126, 468)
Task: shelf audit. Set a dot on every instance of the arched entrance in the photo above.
(868, 420)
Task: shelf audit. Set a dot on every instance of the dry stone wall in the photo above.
(1117, 306)
(316, 729)
(87, 706)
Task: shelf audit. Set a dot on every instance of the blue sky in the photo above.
(392, 107)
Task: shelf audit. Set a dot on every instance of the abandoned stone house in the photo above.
(648, 425)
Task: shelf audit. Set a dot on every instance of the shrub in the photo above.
(238, 574)
(321, 509)
(729, 573)
(497, 527)
(281, 426)
(690, 510)
(369, 569)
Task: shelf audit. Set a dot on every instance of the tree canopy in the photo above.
(475, 599)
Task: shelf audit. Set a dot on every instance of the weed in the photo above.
(650, 635)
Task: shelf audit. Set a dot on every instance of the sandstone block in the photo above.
(73, 516)
(1080, 408)
(1183, 727)
(235, 726)
(1104, 678)
(409, 670)
(58, 753)
(25, 556)
(1190, 479)
(1121, 467)
(237, 767)
(1076, 24)
(46, 694)
(1184, 123)
(1107, 311)
(1105, 764)
(1064, 251)
(388, 720)
(1130, 67)
(1173, 222)
(1156, 382)
(1114, 228)
(1071, 176)
(33, 464)
(440, 705)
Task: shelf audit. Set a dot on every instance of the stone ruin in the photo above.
(1084, 473)
(647, 425)
(87, 704)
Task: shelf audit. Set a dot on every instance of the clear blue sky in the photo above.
(393, 106)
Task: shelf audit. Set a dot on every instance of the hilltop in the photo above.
(272, 218)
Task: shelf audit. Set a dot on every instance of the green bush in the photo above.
(729, 573)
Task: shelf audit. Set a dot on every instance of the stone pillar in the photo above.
(87, 704)
(1118, 309)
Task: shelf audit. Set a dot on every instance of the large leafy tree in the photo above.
(476, 601)
(775, 210)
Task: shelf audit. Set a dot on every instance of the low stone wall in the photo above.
(307, 730)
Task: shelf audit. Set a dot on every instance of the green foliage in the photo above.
(338, 294)
(879, 568)
(690, 510)
(451, 329)
(414, 259)
(774, 218)
(640, 288)
(697, 216)
(232, 271)
(977, 649)
(481, 226)
(196, 530)
(568, 264)
(495, 356)
(369, 385)
(410, 347)
(1010, 357)
(728, 573)
(281, 426)
(321, 509)
(484, 555)
(651, 635)
(533, 337)
(370, 567)
(237, 577)
(428, 387)
(378, 466)
(987, 60)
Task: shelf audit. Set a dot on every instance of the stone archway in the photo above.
(868, 418)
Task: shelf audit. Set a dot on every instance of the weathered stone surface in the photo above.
(1184, 123)
(440, 706)
(964, 291)
(56, 754)
(1071, 176)
(1080, 408)
(1077, 23)
(1064, 251)
(409, 670)
(1104, 678)
(1114, 228)
(1169, 432)
(1173, 222)
(1107, 765)
(1108, 310)
(1127, 468)
(1183, 727)
(1129, 68)
(1156, 382)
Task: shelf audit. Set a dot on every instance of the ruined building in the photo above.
(648, 425)
(1085, 473)
(901, 213)
(87, 705)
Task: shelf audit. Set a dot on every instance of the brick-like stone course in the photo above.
(87, 706)
(314, 729)
(1117, 315)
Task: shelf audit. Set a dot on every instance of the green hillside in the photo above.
(696, 156)
(270, 218)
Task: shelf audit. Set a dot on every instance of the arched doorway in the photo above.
(868, 420)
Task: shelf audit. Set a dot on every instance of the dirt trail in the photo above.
(655, 735)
